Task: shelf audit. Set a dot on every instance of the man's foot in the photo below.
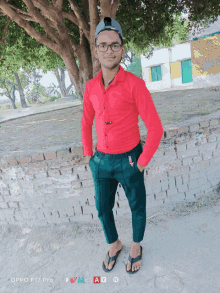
(114, 247)
(135, 252)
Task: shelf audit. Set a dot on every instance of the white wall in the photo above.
(164, 57)
(159, 57)
(203, 81)
(181, 52)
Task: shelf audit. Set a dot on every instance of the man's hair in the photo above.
(111, 30)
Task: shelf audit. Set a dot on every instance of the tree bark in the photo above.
(21, 92)
(61, 81)
(12, 99)
(79, 76)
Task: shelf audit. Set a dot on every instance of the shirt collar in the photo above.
(120, 76)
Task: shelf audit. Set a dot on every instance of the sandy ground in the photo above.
(180, 254)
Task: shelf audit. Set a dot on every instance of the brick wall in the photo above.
(58, 187)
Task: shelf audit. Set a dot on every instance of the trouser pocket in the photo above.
(91, 159)
(131, 173)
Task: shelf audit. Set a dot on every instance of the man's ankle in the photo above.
(135, 243)
(116, 242)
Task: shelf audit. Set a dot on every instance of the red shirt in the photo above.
(116, 111)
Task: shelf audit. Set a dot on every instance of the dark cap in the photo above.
(108, 23)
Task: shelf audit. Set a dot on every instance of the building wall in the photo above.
(178, 54)
(206, 61)
(204, 65)
(170, 61)
(160, 57)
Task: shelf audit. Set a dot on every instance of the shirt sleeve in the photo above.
(150, 117)
(86, 123)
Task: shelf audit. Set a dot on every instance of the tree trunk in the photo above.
(12, 99)
(13, 104)
(79, 76)
(61, 81)
(21, 92)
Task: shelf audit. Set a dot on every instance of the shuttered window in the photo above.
(156, 73)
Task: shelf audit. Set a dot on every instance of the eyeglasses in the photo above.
(104, 47)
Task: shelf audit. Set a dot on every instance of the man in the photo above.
(116, 98)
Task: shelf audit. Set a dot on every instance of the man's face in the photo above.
(109, 37)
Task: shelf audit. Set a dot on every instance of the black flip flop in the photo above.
(109, 259)
(133, 260)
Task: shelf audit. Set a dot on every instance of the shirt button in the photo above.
(104, 108)
(105, 134)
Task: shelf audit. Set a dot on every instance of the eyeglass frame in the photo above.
(109, 46)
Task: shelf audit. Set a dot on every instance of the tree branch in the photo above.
(39, 18)
(71, 17)
(46, 10)
(74, 45)
(114, 7)
(69, 87)
(5, 30)
(94, 19)
(42, 5)
(1, 11)
(29, 29)
(58, 4)
(24, 14)
(109, 8)
(82, 23)
(54, 16)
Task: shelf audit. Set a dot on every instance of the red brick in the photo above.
(213, 121)
(64, 155)
(77, 151)
(204, 124)
(50, 156)
(24, 160)
(183, 129)
(33, 168)
(38, 157)
(53, 172)
(12, 161)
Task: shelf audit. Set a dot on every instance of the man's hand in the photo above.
(88, 158)
(140, 167)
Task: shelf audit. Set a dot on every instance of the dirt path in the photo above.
(58, 128)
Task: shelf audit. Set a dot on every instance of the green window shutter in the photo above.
(156, 73)
(186, 71)
(159, 75)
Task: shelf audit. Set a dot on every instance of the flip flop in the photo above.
(133, 260)
(109, 259)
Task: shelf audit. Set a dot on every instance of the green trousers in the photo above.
(107, 171)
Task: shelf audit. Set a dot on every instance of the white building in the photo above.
(193, 64)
